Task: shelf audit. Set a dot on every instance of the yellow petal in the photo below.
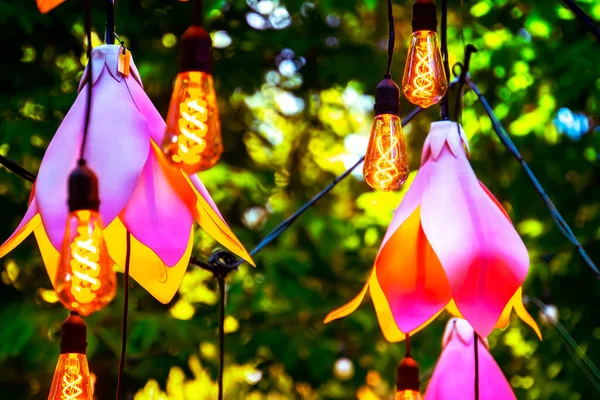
(20, 235)
(523, 314)
(145, 266)
(388, 326)
(49, 254)
(351, 306)
(453, 310)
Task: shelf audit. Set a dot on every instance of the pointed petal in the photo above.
(388, 326)
(145, 266)
(516, 303)
(50, 255)
(484, 258)
(117, 148)
(156, 215)
(349, 307)
(455, 373)
(46, 5)
(411, 276)
(201, 189)
(29, 222)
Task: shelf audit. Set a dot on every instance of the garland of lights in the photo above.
(85, 281)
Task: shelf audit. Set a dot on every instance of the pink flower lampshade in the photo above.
(450, 245)
(454, 374)
(140, 192)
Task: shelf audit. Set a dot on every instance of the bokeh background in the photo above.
(295, 81)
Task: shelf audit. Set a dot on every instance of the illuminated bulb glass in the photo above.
(85, 279)
(193, 138)
(408, 395)
(386, 162)
(71, 379)
(424, 82)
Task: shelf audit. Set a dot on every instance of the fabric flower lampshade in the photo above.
(140, 192)
(450, 245)
(454, 373)
(46, 5)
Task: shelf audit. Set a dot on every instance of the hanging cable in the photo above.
(464, 70)
(508, 143)
(197, 13)
(391, 38)
(88, 108)
(476, 342)
(17, 169)
(575, 351)
(444, 40)
(221, 281)
(120, 385)
(109, 37)
(583, 17)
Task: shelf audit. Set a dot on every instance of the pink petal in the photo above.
(157, 216)
(195, 179)
(117, 147)
(484, 258)
(455, 373)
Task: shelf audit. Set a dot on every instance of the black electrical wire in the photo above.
(120, 385)
(391, 37)
(444, 44)
(88, 108)
(17, 169)
(476, 342)
(583, 17)
(197, 13)
(109, 37)
(508, 143)
(221, 281)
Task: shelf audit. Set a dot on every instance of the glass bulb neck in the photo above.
(407, 375)
(196, 50)
(424, 16)
(387, 97)
(73, 335)
(83, 189)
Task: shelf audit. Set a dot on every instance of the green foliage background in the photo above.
(534, 58)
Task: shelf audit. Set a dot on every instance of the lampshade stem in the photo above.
(120, 385)
(476, 342)
(110, 22)
(444, 45)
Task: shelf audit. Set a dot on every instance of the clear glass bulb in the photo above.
(71, 378)
(424, 82)
(386, 162)
(85, 279)
(407, 395)
(193, 138)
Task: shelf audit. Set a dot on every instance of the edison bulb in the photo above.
(407, 395)
(424, 82)
(193, 138)
(71, 379)
(386, 161)
(85, 279)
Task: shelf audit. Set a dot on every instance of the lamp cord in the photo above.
(88, 107)
(391, 38)
(583, 17)
(221, 282)
(444, 45)
(197, 13)
(476, 341)
(120, 385)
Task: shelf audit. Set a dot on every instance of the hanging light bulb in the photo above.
(85, 279)
(407, 380)
(386, 161)
(424, 82)
(193, 138)
(72, 376)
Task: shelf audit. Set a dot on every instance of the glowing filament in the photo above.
(193, 114)
(84, 265)
(71, 382)
(423, 81)
(386, 168)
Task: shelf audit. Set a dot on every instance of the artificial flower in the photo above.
(140, 192)
(450, 245)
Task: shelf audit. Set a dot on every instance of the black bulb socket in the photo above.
(83, 189)
(407, 375)
(195, 50)
(424, 16)
(387, 97)
(73, 335)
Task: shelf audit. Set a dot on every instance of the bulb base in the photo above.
(73, 335)
(387, 97)
(407, 375)
(196, 50)
(83, 189)
(424, 16)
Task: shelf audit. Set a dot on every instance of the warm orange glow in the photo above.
(193, 139)
(386, 161)
(71, 379)
(407, 395)
(424, 82)
(85, 280)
